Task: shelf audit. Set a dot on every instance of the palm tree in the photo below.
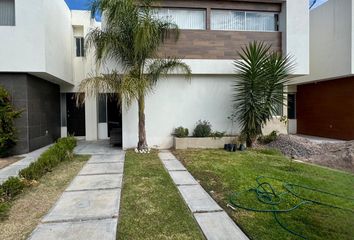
(130, 38)
(261, 77)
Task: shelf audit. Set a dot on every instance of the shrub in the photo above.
(11, 187)
(265, 139)
(181, 132)
(4, 210)
(7, 116)
(203, 129)
(217, 134)
(61, 151)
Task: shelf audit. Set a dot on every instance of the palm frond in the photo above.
(159, 68)
(127, 87)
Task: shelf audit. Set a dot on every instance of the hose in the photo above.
(266, 194)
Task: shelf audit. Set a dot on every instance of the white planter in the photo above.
(208, 142)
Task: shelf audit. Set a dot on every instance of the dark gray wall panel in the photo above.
(39, 124)
(43, 112)
(16, 85)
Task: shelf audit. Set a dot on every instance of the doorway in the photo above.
(110, 118)
(114, 114)
(75, 116)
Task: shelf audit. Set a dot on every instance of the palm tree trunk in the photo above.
(142, 144)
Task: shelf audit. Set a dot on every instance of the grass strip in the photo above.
(33, 203)
(151, 207)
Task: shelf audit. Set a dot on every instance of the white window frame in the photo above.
(204, 11)
(81, 47)
(245, 20)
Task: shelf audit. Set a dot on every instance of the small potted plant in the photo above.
(232, 147)
(242, 142)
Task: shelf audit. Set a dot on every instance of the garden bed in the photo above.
(202, 143)
(222, 173)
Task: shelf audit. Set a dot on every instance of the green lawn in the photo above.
(224, 172)
(151, 207)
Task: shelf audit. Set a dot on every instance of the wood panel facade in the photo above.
(217, 44)
(326, 109)
(208, 44)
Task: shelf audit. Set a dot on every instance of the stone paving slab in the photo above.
(104, 158)
(173, 165)
(87, 230)
(183, 178)
(197, 199)
(166, 156)
(102, 168)
(85, 205)
(219, 226)
(96, 182)
(96, 148)
(11, 171)
(89, 208)
(214, 222)
(24, 162)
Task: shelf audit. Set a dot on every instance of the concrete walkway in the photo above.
(13, 169)
(212, 219)
(89, 207)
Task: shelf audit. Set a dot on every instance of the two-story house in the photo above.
(42, 61)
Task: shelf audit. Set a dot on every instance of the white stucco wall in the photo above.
(58, 36)
(294, 25)
(83, 67)
(331, 41)
(39, 41)
(178, 102)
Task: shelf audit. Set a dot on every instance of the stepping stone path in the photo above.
(212, 219)
(89, 207)
(14, 169)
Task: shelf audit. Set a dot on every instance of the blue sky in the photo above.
(85, 4)
(80, 5)
(318, 2)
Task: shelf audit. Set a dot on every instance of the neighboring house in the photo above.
(42, 60)
(324, 99)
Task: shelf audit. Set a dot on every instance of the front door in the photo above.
(75, 116)
(114, 119)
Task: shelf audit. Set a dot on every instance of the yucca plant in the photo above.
(261, 75)
(130, 39)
